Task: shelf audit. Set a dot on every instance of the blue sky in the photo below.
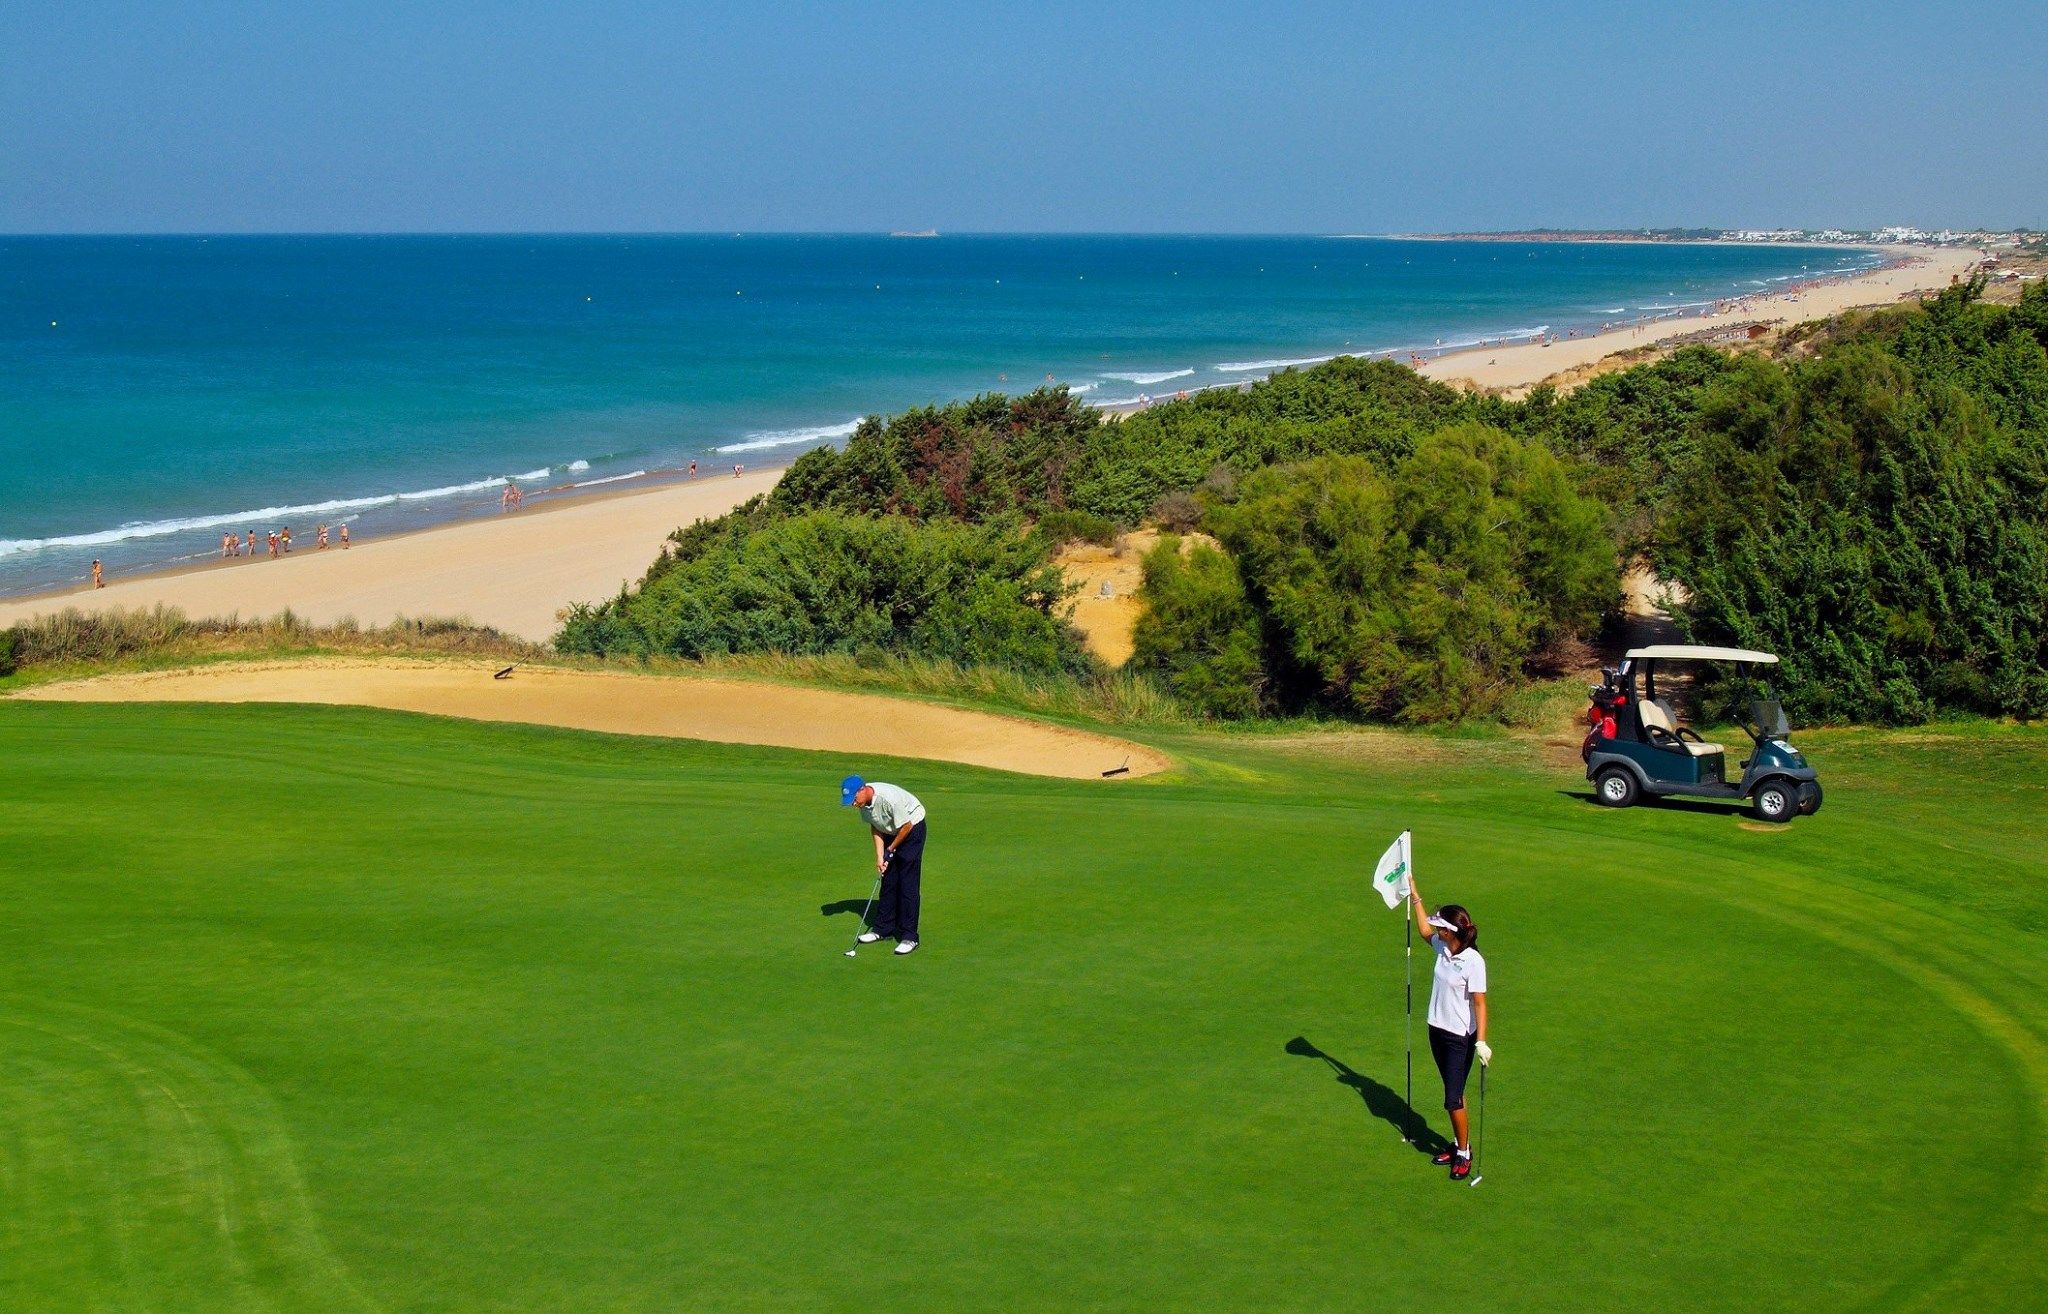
(202, 115)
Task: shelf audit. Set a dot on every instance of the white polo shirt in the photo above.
(1458, 978)
(892, 810)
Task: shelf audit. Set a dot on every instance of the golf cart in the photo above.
(1637, 747)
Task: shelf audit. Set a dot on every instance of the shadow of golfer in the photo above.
(1381, 1101)
(853, 906)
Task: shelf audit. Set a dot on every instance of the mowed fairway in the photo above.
(327, 1009)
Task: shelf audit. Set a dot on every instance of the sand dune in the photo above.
(723, 711)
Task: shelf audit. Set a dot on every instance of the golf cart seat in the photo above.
(1656, 714)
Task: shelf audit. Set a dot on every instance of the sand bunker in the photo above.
(723, 711)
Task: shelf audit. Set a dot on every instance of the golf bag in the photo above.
(1607, 703)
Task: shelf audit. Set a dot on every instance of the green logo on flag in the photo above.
(1400, 870)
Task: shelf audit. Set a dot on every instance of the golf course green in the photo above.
(308, 1008)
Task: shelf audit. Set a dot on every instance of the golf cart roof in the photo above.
(1693, 652)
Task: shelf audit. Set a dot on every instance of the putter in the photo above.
(1479, 1130)
(872, 896)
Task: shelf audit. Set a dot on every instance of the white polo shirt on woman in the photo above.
(1459, 976)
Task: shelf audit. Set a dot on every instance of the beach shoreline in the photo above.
(1512, 366)
(514, 572)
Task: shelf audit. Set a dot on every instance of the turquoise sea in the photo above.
(156, 392)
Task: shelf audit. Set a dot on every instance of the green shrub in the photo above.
(1064, 526)
(1421, 596)
(1046, 451)
(825, 582)
(1198, 634)
(10, 649)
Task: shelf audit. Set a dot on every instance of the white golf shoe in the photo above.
(868, 937)
(905, 946)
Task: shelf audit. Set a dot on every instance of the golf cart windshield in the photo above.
(1768, 716)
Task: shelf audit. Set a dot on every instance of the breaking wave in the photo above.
(1146, 380)
(812, 436)
(260, 516)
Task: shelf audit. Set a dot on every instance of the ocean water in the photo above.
(156, 392)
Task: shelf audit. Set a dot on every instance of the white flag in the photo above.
(1390, 878)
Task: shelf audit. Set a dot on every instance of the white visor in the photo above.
(1442, 925)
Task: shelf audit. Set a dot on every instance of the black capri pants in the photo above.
(1453, 1054)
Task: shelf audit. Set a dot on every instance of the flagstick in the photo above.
(1408, 922)
(1408, 916)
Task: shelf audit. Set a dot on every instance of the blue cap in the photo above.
(848, 788)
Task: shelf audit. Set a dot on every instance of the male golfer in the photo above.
(897, 820)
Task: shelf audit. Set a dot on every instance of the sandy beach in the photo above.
(1524, 364)
(514, 572)
(517, 572)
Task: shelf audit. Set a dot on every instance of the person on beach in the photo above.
(271, 539)
(285, 539)
(693, 469)
(252, 542)
(227, 545)
(897, 820)
(1457, 1014)
(320, 542)
(736, 471)
(512, 497)
(344, 535)
(99, 574)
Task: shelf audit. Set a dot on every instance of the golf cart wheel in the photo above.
(1616, 787)
(1776, 799)
(1809, 797)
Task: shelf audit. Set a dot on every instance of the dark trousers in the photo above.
(896, 909)
(1453, 1054)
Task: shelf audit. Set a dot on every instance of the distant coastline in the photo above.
(1797, 237)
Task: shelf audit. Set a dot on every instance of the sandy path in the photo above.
(1107, 618)
(1526, 364)
(512, 572)
(723, 711)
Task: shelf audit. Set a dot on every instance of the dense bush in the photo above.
(1419, 596)
(1059, 528)
(970, 460)
(1878, 515)
(824, 582)
(10, 649)
(1047, 451)
(1198, 633)
(1624, 431)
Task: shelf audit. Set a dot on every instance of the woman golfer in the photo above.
(1457, 1014)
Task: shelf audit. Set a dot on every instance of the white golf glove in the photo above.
(1485, 1053)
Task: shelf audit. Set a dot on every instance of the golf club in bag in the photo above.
(873, 895)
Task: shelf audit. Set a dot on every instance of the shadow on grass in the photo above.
(1711, 807)
(853, 906)
(1381, 1101)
